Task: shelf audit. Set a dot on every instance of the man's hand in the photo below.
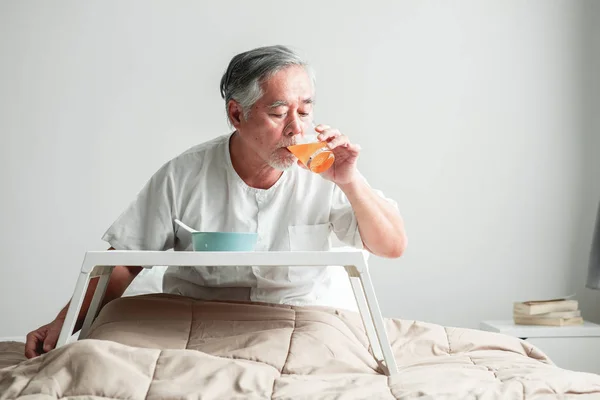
(380, 225)
(343, 170)
(43, 339)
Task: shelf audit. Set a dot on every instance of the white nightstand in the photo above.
(571, 347)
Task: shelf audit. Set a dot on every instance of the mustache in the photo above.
(286, 143)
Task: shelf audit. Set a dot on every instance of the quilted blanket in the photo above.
(162, 346)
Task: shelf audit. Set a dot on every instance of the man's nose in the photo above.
(295, 127)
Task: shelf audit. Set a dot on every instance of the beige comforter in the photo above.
(161, 346)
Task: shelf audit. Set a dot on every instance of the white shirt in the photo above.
(300, 211)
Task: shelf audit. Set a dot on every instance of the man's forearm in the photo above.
(380, 225)
(120, 278)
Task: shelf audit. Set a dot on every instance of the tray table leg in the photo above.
(74, 307)
(378, 323)
(92, 313)
(367, 322)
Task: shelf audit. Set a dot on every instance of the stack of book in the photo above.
(554, 312)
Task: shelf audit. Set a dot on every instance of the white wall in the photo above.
(469, 115)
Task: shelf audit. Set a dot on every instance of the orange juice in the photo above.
(315, 156)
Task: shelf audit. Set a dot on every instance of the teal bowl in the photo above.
(224, 241)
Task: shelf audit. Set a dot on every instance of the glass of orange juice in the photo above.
(312, 153)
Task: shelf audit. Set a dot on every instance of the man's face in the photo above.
(283, 112)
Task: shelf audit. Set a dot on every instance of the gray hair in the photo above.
(246, 71)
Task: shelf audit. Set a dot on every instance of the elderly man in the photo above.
(248, 181)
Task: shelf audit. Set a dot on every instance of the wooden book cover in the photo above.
(545, 306)
(554, 314)
(519, 320)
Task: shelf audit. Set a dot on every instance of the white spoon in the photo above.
(184, 226)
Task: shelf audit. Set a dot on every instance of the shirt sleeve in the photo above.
(344, 221)
(147, 223)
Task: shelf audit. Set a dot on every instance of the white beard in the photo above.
(282, 163)
(282, 166)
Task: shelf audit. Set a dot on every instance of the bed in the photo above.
(155, 346)
(158, 346)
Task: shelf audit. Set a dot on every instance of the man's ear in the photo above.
(235, 113)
